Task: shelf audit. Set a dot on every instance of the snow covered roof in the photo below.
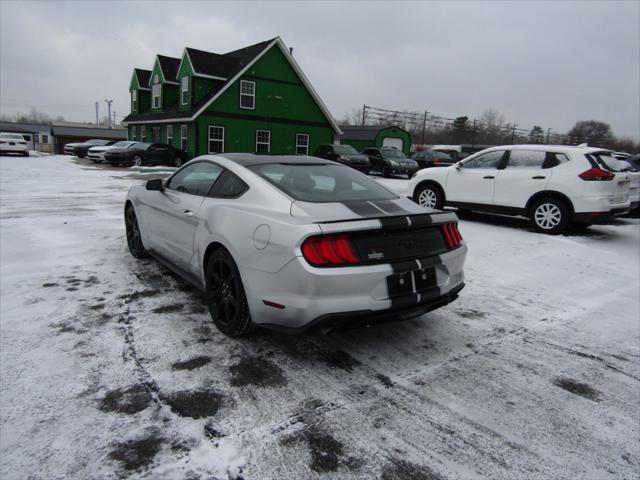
(74, 129)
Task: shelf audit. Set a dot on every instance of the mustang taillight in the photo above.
(329, 250)
(451, 235)
(596, 174)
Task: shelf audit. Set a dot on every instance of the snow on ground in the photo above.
(110, 367)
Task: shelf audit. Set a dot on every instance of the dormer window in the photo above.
(247, 94)
(185, 90)
(134, 99)
(156, 91)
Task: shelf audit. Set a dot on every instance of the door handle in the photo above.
(188, 213)
(539, 177)
(489, 177)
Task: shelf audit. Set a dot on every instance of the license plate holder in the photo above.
(401, 284)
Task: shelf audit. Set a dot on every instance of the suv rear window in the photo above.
(322, 183)
(607, 161)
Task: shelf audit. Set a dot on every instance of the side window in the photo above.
(526, 159)
(228, 186)
(486, 160)
(195, 179)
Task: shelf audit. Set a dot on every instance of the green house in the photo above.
(363, 136)
(256, 99)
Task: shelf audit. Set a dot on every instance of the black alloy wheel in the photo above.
(177, 162)
(226, 298)
(134, 239)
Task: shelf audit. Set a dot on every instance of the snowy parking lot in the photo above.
(111, 367)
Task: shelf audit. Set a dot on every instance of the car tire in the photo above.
(549, 215)
(136, 161)
(429, 195)
(134, 238)
(26, 154)
(367, 171)
(386, 171)
(225, 295)
(177, 162)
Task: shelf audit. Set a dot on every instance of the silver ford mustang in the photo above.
(295, 242)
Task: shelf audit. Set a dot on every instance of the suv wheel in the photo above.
(549, 215)
(428, 196)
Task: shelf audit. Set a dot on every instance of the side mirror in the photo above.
(459, 166)
(155, 184)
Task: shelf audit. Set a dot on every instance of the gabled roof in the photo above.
(144, 77)
(169, 68)
(210, 64)
(231, 66)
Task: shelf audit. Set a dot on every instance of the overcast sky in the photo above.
(544, 63)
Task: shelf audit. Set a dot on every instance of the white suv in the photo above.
(552, 185)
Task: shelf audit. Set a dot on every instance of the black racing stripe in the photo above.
(394, 223)
(391, 207)
(402, 267)
(418, 221)
(364, 209)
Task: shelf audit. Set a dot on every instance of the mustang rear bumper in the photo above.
(337, 297)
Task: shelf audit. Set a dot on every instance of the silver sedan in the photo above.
(296, 242)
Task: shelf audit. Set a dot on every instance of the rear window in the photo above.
(322, 183)
(441, 156)
(607, 161)
(345, 150)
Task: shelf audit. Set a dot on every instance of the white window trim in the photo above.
(134, 99)
(158, 96)
(170, 138)
(183, 90)
(184, 135)
(253, 97)
(264, 143)
(209, 139)
(299, 145)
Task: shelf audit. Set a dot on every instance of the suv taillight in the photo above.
(324, 250)
(451, 235)
(596, 174)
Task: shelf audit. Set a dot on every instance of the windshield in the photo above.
(441, 156)
(345, 150)
(121, 144)
(140, 146)
(392, 153)
(322, 183)
(609, 162)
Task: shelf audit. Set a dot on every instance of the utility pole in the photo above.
(97, 107)
(364, 113)
(513, 133)
(424, 126)
(473, 135)
(109, 102)
(114, 117)
(548, 132)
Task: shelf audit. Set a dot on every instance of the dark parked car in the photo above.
(80, 150)
(146, 154)
(433, 158)
(390, 161)
(346, 155)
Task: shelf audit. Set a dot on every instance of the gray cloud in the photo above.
(545, 63)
